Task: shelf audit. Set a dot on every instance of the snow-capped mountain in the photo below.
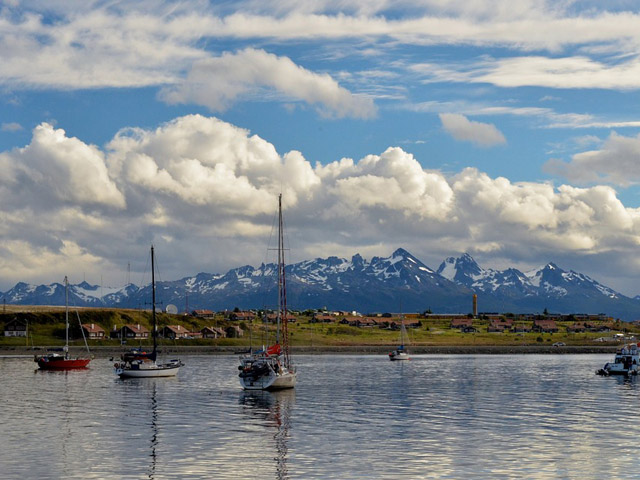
(548, 281)
(400, 282)
(545, 287)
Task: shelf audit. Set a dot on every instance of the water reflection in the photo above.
(141, 399)
(154, 431)
(274, 410)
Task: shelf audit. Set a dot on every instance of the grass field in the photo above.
(46, 328)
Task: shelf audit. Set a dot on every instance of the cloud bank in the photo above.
(205, 191)
(155, 44)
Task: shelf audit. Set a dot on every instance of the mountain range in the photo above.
(396, 283)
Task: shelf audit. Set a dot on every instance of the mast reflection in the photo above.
(154, 431)
(274, 408)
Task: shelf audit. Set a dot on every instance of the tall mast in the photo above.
(153, 305)
(66, 316)
(282, 286)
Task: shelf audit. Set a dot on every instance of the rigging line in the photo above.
(266, 282)
(86, 344)
(75, 307)
(146, 270)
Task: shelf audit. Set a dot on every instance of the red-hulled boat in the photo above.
(62, 361)
(57, 361)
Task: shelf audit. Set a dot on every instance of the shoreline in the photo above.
(107, 352)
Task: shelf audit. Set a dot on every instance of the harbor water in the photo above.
(350, 417)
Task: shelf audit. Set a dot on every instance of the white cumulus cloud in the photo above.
(204, 191)
(57, 168)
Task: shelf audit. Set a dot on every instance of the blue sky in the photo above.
(508, 130)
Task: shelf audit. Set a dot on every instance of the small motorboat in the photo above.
(626, 362)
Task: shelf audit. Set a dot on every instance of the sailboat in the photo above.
(144, 365)
(62, 361)
(271, 368)
(401, 353)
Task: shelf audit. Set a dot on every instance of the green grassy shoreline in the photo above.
(431, 335)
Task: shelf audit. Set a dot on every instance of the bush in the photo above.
(539, 340)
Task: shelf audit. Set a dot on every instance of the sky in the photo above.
(506, 130)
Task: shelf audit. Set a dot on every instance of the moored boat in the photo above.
(401, 353)
(57, 361)
(144, 365)
(62, 361)
(271, 368)
(626, 362)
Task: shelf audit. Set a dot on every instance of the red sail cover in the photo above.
(274, 349)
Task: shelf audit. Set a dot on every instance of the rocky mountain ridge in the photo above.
(400, 282)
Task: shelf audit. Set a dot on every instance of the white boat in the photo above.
(271, 368)
(626, 362)
(401, 353)
(145, 365)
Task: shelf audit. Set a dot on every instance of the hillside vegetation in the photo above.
(46, 328)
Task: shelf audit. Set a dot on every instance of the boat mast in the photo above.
(282, 286)
(153, 306)
(66, 316)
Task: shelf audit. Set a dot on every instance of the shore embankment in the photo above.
(108, 352)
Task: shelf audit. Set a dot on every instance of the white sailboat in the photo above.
(401, 353)
(145, 365)
(271, 368)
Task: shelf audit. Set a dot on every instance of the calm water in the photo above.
(438, 416)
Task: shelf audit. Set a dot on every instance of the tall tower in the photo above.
(475, 305)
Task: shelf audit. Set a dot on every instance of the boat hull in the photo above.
(398, 358)
(269, 381)
(149, 371)
(608, 370)
(398, 355)
(625, 373)
(45, 363)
